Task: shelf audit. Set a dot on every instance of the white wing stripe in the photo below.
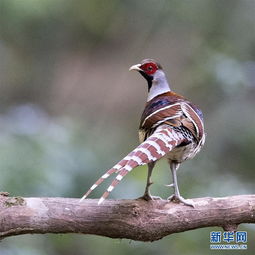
(159, 110)
(167, 118)
(184, 107)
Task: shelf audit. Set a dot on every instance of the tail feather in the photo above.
(111, 171)
(155, 147)
(99, 181)
(115, 182)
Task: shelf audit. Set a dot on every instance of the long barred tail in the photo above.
(162, 141)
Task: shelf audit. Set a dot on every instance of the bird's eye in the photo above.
(150, 68)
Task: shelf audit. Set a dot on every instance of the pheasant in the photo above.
(171, 127)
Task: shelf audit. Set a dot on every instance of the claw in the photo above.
(181, 199)
(156, 198)
(170, 198)
(148, 197)
(169, 185)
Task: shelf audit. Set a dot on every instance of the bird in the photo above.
(171, 127)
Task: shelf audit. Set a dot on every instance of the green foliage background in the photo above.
(69, 108)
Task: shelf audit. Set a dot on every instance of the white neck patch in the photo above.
(159, 85)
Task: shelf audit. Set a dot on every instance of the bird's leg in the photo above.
(147, 196)
(176, 196)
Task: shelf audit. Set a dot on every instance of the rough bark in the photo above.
(132, 219)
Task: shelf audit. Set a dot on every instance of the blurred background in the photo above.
(69, 108)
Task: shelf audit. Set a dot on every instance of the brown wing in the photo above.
(193, 117)
(169, 108)
(171, 113)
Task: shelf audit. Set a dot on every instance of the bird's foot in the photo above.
(156, 198)
(148, 197)
(181, 199)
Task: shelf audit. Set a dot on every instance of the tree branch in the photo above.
(132, 219)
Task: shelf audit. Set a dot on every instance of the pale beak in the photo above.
(135, 67)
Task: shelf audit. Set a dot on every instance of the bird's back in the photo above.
(179, 113)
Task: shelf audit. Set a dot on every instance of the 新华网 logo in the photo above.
(228, 240)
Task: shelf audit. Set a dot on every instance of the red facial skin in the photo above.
(149, 68)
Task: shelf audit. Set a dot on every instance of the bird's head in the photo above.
(152, 71)
(148, 67)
